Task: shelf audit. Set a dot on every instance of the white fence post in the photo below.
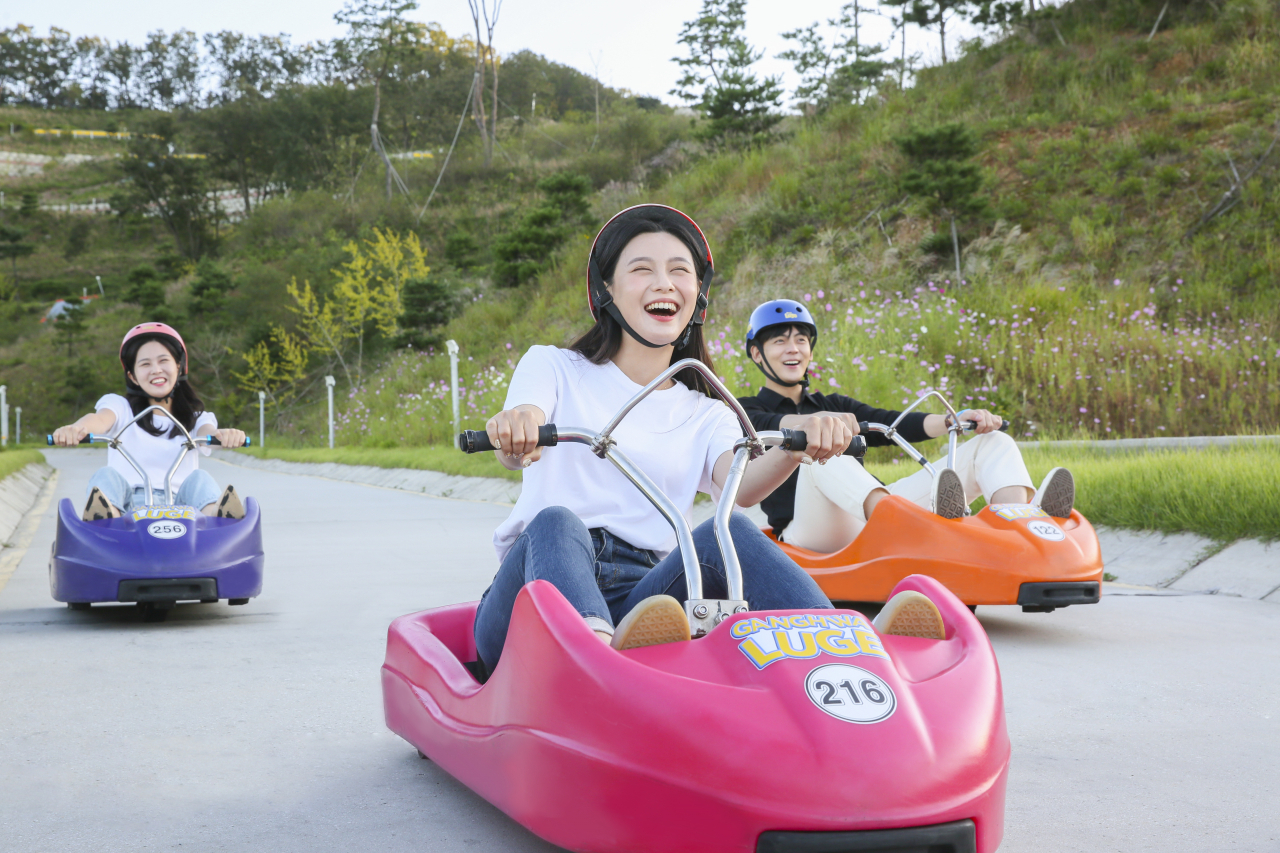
(328, 381)
(262, 418)
(452, 347)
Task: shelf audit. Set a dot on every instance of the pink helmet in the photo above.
(157, 330)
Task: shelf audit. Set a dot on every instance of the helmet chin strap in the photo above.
(767, 369)
(612, 308)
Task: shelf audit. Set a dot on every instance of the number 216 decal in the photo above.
(850, 693)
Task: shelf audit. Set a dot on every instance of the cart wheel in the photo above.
(422, 755)
(79, 605)
(237, 601)
(154, 612)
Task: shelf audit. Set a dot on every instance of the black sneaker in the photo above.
(948, 495)
(1057, 493)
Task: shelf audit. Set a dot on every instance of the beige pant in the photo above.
(829, 498)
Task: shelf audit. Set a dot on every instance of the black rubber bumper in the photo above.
(1047, 597)
(168, 589)
(957, 837)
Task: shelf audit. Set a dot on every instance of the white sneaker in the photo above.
(657, 619)
(1057, 493)
(948, 495)
(910, 614)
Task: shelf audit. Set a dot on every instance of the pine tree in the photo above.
(718, 76)
(940, 171)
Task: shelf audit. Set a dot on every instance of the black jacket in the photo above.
(767, 410)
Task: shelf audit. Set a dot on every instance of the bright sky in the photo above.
(633, 49)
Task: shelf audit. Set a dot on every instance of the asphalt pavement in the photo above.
(1147, 722)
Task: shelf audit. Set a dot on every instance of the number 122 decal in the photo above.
(850, 693)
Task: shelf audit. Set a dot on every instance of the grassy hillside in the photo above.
(1085, 308)
(1093, 300)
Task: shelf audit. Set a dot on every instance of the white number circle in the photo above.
(1047, 530)
(850, 693)
(167, 529)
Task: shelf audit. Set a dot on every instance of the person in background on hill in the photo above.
(154, 358)
(823, 507)
(579, 523)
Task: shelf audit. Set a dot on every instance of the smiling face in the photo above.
(655, 286)
(788, 350)
(155, 370)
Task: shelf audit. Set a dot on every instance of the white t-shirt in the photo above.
(155, 453)
(675, 436)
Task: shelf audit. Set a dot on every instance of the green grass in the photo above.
(12, 460)
(1222, 494)
(429, 458)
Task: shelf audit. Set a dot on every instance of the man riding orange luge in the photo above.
(823, 507)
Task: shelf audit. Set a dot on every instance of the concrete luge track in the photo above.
(1147, 722)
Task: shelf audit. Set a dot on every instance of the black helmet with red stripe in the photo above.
(620, 230)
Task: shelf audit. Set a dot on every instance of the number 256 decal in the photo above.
(850, 693)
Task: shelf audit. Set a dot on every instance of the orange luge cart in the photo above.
(1004, 554)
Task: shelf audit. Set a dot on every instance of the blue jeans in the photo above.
(198, 490)
(603, 577)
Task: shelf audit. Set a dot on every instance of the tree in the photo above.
(486, 12)
(520, 254)
(275, 367)
(173, 187)
(70, 326)
(208, 290)
(146, 290)
(12, 247)
(737, 102)
(170, 69)
(245, 65)
(940, 172)
(932, 13)
(367, 293)
(234, 138)
(380, 36)
(429, 302)
(838, 72)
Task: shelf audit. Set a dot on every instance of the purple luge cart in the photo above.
(158, 555)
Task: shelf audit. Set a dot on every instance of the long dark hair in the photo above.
(603, 340)
(185, 405)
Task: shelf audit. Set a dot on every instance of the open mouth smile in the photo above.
(662, 309)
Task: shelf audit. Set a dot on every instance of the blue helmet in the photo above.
(779, 312)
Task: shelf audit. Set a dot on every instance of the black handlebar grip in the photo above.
(1004, 425)
(794, 439)
(476, 440)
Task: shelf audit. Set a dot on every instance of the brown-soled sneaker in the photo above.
(657, 619)
(948, 495)
(910, 614)
(230, 506)
(98, 508)
(1057, 493)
